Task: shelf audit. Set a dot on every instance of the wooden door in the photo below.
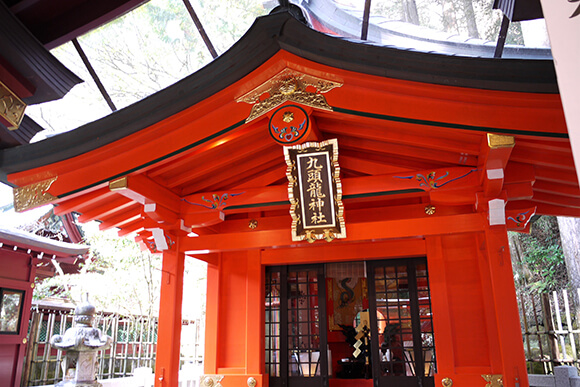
(402, 342)
(296, 339)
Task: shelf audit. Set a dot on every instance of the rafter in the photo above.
(446, 157)
(554, 175)
(252, 171)
(144, 190)
(556, 188)
(250, 166)
(546, 209)
(106, 209)
(119, 219)
(400, 133)
(131, 227)
(221, 158)
(263, 179)
(543, 157)
(82, 202)
(185, 158)
(399, 161)
(368, 167)
(557, 200)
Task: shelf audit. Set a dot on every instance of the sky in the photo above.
(5, 194)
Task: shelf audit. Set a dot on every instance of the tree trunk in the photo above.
(470, 19)
(410, 11)
(570, 236)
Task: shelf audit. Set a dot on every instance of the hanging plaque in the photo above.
(315, 191)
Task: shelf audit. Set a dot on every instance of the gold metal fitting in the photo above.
(253, 224)
(430, 209)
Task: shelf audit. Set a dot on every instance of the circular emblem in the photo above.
(289, 124)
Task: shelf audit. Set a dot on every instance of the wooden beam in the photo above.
(284, 222)
(204, 219)
(211, 259)
(443, 180)
(263, 179)
(556, 188)
(106, 209)
(144, 190)
(405, 150)
(161, 214)
(81, 202)
(380, 230)
(121, 218)
(543, 157)
(519, 173)
(336, 252)
(184, 159)
(221, 159)
(402, 133)
(249, 167)
(388, 159)
(369, 167)
(554, 175)
(131, 227)
(557, 200)
(552, 210)
(493, 158)
(519, 191)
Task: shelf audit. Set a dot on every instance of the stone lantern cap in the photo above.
(82, 336)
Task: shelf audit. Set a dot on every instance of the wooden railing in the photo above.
(134, 345)
(550, 324)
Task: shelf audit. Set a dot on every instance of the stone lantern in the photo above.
(81, 343)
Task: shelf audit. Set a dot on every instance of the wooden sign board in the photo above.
(315, 191)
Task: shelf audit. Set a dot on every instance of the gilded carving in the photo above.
(288, 85)
(495, 141)
(211, 380)
(493, 380)
(11, 107)
(33, 195)
(447, 382)
(430, 209)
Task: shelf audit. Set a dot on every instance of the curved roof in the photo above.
(266, 37)
(397, 113)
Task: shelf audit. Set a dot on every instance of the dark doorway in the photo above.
(400, 329)
(296, 326)
(402, 326)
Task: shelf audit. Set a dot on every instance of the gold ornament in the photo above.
(288, 85)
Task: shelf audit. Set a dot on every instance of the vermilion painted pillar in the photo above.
(507, 315)
(442, 324)
(255, 353)
(211, 319)
(169, 329)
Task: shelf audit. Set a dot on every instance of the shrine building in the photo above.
(351, 200)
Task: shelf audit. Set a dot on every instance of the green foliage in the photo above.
(117, 275)
(122, 279)
(539, 262)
